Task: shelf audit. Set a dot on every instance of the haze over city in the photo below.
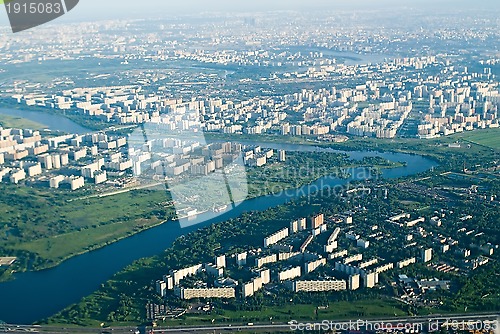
(114, 9)
(251, 166)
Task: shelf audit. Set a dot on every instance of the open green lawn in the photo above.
(53, 225)
(486, 137)
(300, 312)
(367, 309)
(63, 246)
(19, 123)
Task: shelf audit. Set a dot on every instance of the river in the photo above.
(50, 121)
(346, 57)
(36, 295)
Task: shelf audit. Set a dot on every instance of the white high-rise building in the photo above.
(282, 155)
(426, 255)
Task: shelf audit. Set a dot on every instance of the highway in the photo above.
(420, 323)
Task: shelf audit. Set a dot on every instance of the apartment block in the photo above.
(312, 266)
(406, 262)
(289, 274)
(316, 221)
(222, 293)
(265, 260)
(276, 237)
(319, 286)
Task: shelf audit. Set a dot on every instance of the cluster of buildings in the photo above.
(221, 287)
(337, 253)
(74, 160)
(412, 289)
(456, 101)
(263, 39)
(261, 58)
(170, 157)
(357, 88)
(258, 156)
(461, 106)
(175, 156)
(461, 256)
(67, 161)
(302, 257)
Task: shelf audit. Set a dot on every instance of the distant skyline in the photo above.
(153, 7)
(108, 9)
(265, 5)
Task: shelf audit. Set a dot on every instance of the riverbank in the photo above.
(50, 251)
(84, 124)
(60, 227)
(82, 224)
(473, 146)
(19, 123)
(76, 243)
(93, 268)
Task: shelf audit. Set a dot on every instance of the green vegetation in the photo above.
(301, 168)
(47, 227)
(122, 299)
(370, 308)
(63, 246)
(19, 123)
(488, 137)
(84, 121)
(449, 158)
(94, 222)
(62, 224)
(478, 293)
(34, 235)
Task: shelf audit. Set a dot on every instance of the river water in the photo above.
(36, 295)
(50, 121)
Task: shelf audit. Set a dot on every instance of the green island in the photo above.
(123, 298)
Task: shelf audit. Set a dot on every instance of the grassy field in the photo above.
(61, 247)
(335, 311)
(366, 309)
(487, 137)
(19, 123)
(54, 225)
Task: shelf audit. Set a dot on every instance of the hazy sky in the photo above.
(109, 9)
